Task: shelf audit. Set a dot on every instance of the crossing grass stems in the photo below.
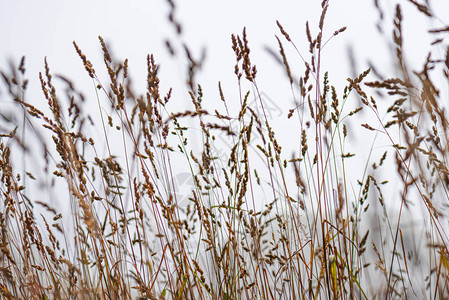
(259, 223)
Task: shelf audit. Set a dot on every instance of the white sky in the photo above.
(47, 28)
(135, 28)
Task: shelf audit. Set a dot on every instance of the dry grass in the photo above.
(258, 223)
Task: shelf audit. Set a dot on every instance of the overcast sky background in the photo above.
(39, 29)
(133, 29)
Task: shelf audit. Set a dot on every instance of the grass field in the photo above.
(208, 203)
